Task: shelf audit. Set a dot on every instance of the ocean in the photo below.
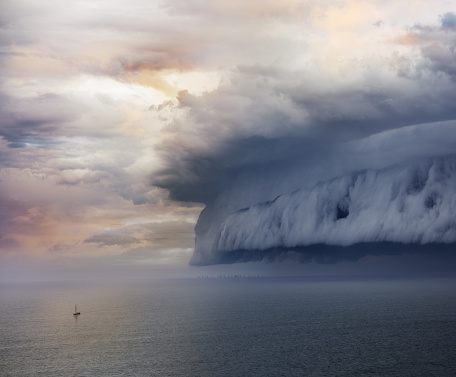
(301, 326)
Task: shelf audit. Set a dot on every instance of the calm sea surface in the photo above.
(230, 327)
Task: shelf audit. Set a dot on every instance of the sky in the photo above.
(122, 120)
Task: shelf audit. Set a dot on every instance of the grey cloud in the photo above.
(237, 145)
(270, 131)
(81, 176)
(168, 36)
(449, 20)
(11, 209)
(109, 239)
(437, 45)
(35, 120)
(330, 254)
(149, 236)
(172, 255)
(268, 116)
(7, 242)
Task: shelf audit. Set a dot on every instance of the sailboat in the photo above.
(76, 310)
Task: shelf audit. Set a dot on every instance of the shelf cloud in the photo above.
(305, 130)
(287, 158)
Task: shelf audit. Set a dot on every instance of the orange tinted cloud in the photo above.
(410, 39)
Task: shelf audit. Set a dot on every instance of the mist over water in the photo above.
(231, 327)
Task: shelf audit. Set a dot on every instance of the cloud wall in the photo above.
(122, 119)
(406, 203)
(357, 151)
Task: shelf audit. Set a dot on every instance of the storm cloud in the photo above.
(120, 120)
(285, 158)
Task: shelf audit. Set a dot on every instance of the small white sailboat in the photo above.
(76, 310)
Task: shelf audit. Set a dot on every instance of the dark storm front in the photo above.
(231, 327)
